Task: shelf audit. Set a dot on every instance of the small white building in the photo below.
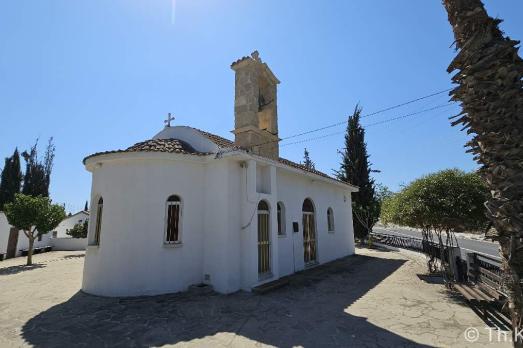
(68, 223)
(190, 207)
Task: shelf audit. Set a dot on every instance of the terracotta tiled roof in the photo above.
(156, 145)
(179, 146)
(226, 143)
(304, 168)
(218, 140)
(163, 145)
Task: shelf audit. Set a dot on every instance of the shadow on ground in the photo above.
(19, 268)
(308, 312)
(491, 319)
(74, 256)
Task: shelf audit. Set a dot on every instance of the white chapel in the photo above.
(189, 207)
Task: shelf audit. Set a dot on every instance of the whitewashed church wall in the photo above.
(249, 200)
(132, 258)
(217, 252)
(292, 191)
(234, 224)
(247, 205)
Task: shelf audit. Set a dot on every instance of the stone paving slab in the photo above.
(373, 299)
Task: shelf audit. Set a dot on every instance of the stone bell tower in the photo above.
(255, 108)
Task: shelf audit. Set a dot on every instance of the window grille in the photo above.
(330, 219)
(281, 219)
(264, 244)
(172, 233)
(98, 226)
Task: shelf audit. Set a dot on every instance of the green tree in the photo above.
(37, 177)
(79, 230)
(382, 192)
(356, 169)
(307, 162)
(446, 200)
(34, 216)
(439, 204)
(489, 80)
(11, 179)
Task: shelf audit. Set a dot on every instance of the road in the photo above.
(485, 247)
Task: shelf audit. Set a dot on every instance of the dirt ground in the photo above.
(372, 299)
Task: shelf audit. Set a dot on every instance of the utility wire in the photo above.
(367, 115)
(369, 125)
(344, 122)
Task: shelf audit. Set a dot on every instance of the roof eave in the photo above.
(246, 156)
(98, 159)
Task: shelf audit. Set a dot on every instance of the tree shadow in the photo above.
(432, 278)
(74, 256)
(20, 268)
(310, 312)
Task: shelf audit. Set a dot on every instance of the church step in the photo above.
(276, 284)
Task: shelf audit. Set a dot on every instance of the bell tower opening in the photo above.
(255, 107)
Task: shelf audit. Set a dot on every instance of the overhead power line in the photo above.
(407, 115)
(364, 116)
(366, 126)
(367, 115)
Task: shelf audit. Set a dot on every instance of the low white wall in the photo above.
(4, 233)
(69, 244)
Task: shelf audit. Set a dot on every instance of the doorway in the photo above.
(309, 233)
(264, 241)
(12, 243)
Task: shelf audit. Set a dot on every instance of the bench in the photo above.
(476, 295)
(37, 250)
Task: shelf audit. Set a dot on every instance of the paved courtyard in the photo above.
(373, 299)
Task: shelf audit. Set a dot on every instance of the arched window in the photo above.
(98, 225)
(308, 206)
(281, 219)
(330, 219)
(172, 225)
(264, 239)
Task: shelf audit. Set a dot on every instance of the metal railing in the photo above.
(486, 270)
(480, 268)
(405, 242)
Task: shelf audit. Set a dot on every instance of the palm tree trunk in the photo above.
(490, 89)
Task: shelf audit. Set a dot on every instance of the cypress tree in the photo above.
(11, 179)
(37, 173)
(307, 162)
(355, 169)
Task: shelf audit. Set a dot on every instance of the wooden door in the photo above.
(264, 240)
(309, 238)
(12, 243)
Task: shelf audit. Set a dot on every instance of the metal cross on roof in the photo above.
(168, 120)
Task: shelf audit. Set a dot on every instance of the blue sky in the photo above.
(101, 75)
